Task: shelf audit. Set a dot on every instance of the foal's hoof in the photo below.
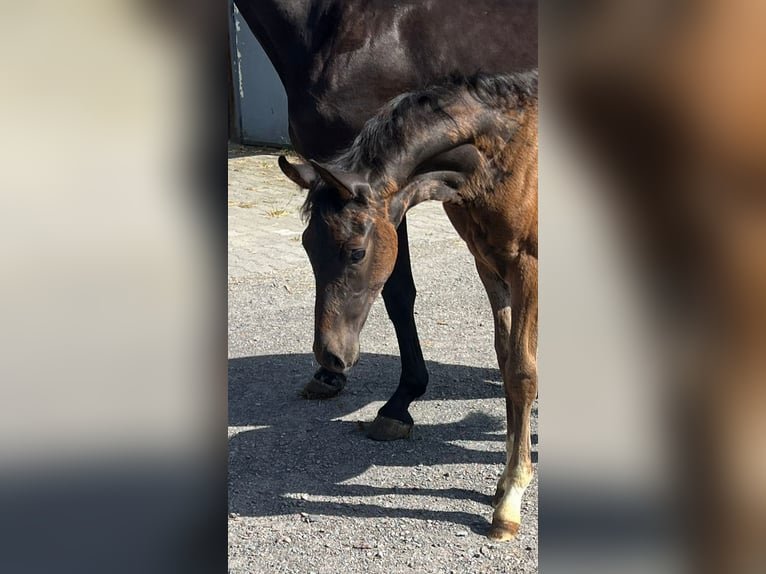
(384, 428)
(324, 385)
(502, 530)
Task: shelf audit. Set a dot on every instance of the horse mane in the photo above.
(414, 111)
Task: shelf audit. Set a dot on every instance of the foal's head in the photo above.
(422, 145)
(352, 245)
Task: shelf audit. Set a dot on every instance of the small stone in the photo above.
(484, 550)
(234, 515)
(461, 533)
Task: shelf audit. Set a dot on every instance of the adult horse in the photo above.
(339, 62)
(471, 144)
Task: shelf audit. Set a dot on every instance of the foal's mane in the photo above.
(412, 112)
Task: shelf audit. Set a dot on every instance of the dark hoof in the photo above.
(324, 385)
(384, 428)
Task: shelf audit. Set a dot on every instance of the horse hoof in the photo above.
(324, 385)
(384, 428)
(502, 530)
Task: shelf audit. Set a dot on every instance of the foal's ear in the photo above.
(349, 185)
(301, 173)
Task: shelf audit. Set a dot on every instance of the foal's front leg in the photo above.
(500, 299)
(520, 383)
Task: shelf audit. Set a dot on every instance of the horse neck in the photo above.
(466, 120)
(280, 28)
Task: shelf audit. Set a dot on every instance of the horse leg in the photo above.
(500, 300)
(520, 383)
(394, 420)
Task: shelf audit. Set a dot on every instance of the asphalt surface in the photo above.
(308, 492)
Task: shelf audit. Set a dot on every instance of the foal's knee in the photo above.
(521, 387)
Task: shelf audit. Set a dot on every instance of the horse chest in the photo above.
(490, 236)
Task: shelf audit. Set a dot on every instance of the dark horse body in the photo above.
(341, 60)
(471, 144)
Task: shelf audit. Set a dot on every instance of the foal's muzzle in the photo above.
(337, 358)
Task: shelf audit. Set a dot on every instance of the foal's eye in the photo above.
(357, 255)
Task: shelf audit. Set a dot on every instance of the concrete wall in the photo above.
(260, 103)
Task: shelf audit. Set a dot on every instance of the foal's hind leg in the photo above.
(500, 300)
(520, 382)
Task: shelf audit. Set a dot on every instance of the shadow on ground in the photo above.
(299, 453)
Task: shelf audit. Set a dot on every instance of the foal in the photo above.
(471, 144)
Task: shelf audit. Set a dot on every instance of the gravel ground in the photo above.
(308, 492)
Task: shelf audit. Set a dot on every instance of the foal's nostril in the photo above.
(335, 362)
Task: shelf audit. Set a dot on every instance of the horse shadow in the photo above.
(294, 456)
